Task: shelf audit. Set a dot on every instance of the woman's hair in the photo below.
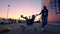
(44, 7)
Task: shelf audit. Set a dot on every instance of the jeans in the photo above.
(44, 21)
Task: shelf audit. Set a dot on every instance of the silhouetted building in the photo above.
(55, 4)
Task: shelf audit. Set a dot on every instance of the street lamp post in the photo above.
(8, 11)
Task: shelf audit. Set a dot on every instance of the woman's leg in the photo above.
(43, 23)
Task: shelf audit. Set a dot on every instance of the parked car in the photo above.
(5, 22)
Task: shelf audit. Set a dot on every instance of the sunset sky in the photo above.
(19, 7)
(23, 7)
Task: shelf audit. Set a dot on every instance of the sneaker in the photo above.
(43, 29)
